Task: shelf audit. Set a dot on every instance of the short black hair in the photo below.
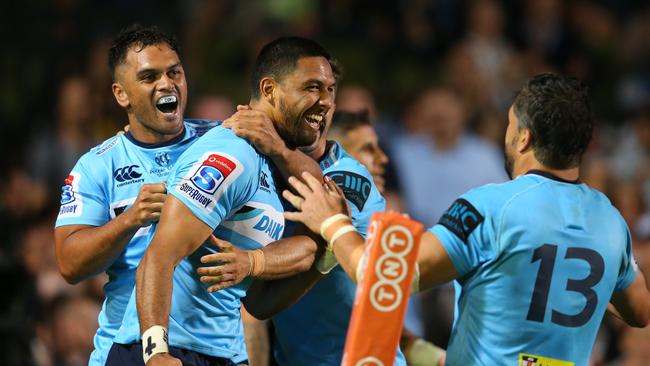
(345, 121)
(279, 57)
(139, 36)
(558, 113)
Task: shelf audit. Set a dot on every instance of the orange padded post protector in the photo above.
(382, 294)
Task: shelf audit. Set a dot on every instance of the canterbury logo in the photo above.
(126, 173)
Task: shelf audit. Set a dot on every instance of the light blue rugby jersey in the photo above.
(103, 184)
(327, 307)
(230, 187)
(539, 259)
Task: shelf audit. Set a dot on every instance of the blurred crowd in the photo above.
(436, 76)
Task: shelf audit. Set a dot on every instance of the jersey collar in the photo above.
(552, 176)
(173, 141)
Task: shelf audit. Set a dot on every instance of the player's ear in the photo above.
(268, 88)
(120, 95)
(524, 140)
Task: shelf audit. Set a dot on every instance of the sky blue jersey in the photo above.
(230, 187)
(104, 183)
(539, 259)
(313, 331)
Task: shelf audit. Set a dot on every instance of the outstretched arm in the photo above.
(317, 202)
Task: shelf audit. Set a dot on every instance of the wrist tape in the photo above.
(258, 262)
(154, 341)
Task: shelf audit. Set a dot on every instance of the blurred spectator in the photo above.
(54, 152)
(214, 107)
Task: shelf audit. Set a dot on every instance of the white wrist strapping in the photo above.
(154, 340)
(338, 233)
(329, 221)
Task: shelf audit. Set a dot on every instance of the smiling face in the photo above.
(304, 96)
(151, 85)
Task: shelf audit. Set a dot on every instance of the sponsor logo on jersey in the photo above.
(264, 182)
(107, 147)
(67, 194)
(71, 202)
(272, 228)
(212, 172)
(195, 194)
(461, 219)
(162, 158)
(355, 187)
(127, 175)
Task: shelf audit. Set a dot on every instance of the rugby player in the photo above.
(116, 190)
(221, 184)
(537, 260)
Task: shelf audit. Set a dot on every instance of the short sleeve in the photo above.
(360, 191)
(216, 175)
(465, 234)
(83, 197)
(629, 268)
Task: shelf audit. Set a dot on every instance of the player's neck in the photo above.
(147, 135)
(571, 174)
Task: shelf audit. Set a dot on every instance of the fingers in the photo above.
(293, 216)
(243, 107)
(299, 186)
(332, 186)
(295, 201)
(218, 258)
(312, 182)
(223, 245)
(153, 188)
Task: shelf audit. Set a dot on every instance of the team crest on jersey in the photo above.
(461, 219)
(162, 158)
(70, 201)
(355, 187)
(212, 176)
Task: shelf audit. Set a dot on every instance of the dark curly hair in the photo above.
(138, 36)
(557, 111)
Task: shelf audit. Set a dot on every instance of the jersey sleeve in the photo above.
(466, 232)
(83, 196)
(360, 191)
(217, 174)
(629, 268)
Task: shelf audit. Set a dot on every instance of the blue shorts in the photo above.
(131, 355)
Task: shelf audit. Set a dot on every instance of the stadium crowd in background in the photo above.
(56, 104)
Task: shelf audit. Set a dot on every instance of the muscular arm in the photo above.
(632, 305)
(83, 250)
(179, 233)
(266, 298)
(294, 162)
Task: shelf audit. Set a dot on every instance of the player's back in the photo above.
(547, 256)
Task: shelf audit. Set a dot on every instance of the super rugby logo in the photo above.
(67, 194)
(391, 268)
(212, 172)
(71, 200)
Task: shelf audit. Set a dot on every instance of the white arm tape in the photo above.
(329, 221)
(339, 233)
(154, 341)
